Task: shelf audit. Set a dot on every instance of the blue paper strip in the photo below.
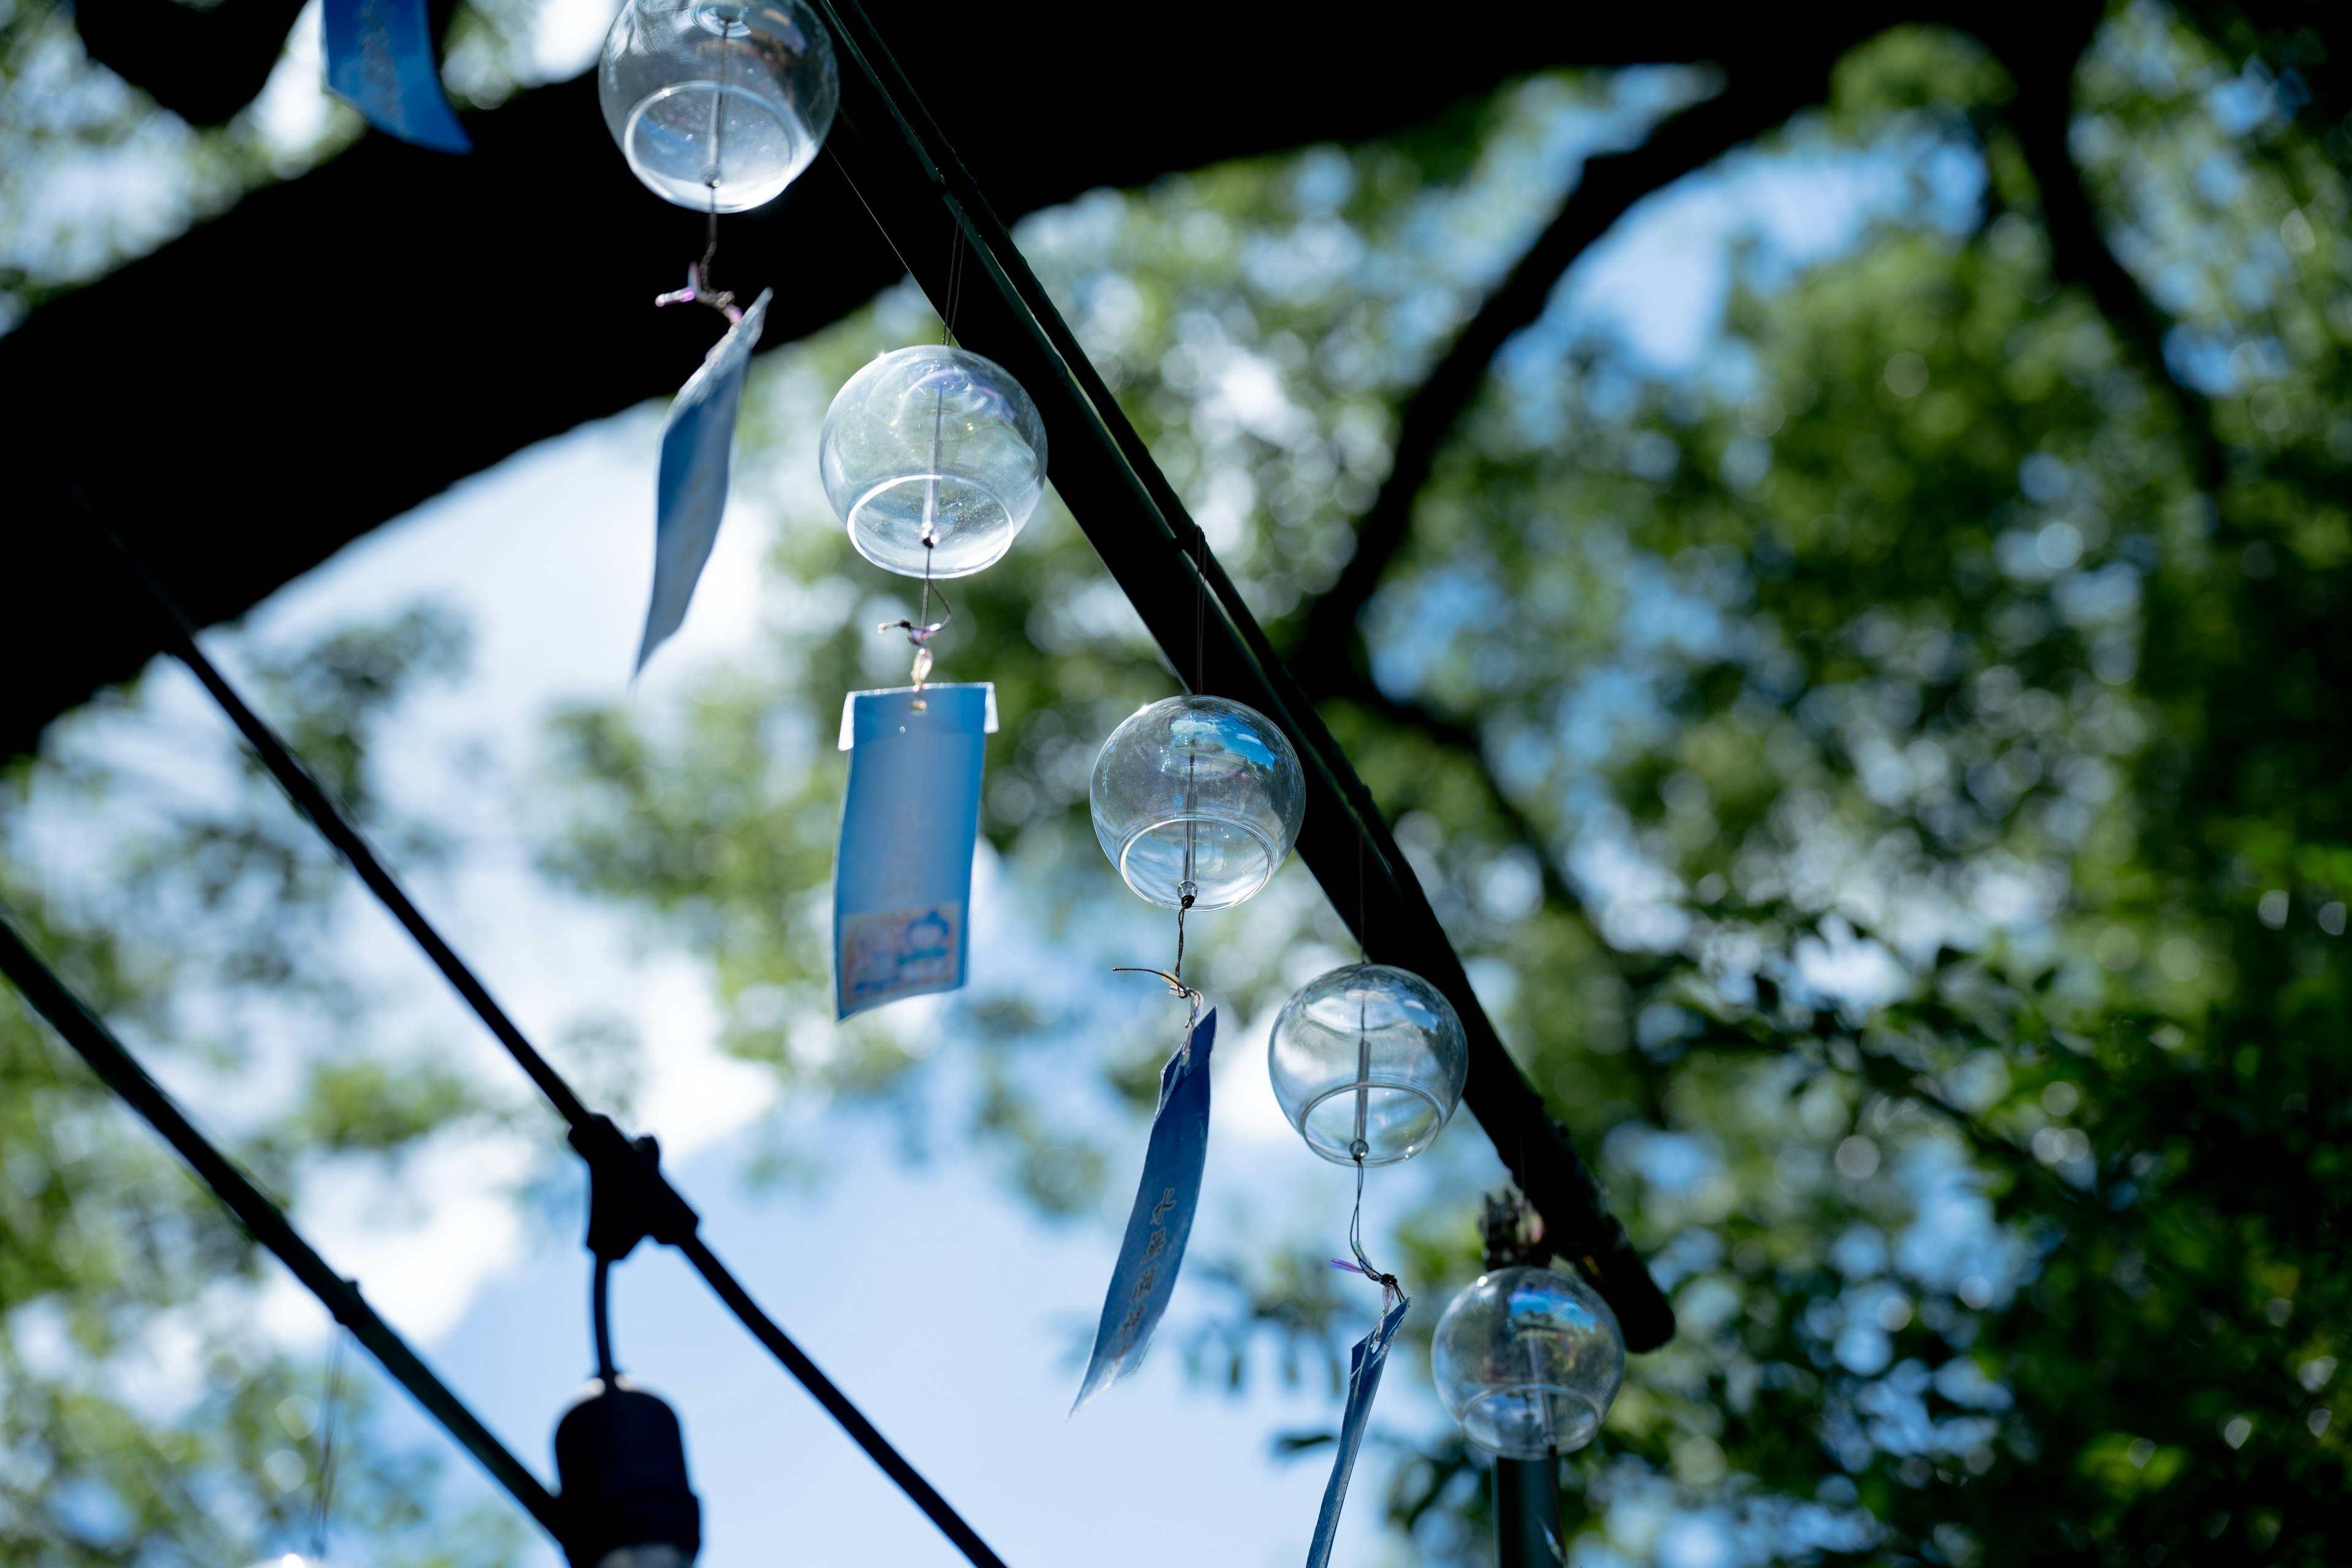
(690, 497)
(379, 58)
(1363, 1381)
(1161, 1222)
(902, 878)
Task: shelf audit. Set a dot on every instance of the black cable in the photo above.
(670, 1219)
(263, 1220)
(328, 818)
(600, 1313)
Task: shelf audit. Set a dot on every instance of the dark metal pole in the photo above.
(263, 1220)
(1526, 1491)
(666, 1216)
(903, 168)
(1527, 1513)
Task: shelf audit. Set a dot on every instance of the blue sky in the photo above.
(932, 1293)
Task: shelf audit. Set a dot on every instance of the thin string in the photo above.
(1200, 607)
(1363, 942)
(711, 176)
(920, 632)
(325, 1497)
(954, 291)
(1392, 1289)
(700, 290)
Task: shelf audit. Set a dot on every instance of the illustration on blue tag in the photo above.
(380, 61)
(1162, 1221)
(902, 877)
(690, 496)
(1370, 1354)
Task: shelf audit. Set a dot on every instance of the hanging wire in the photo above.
(700, 288)
(1392, 1292)
(1186, 893)
(1200, 607)
(1392, 1289)
(920, 632)
(600, 1318)
(922, 628)
(1363, 947)
(324, 1502)
(954, 300)
(81, 1026)
(593, 1135)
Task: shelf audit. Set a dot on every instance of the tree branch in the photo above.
(2043, 66)
(1762, 96)
(268, 435)
(1453, 735)
(203, 66)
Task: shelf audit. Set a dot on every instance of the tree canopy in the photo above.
(1886, 769)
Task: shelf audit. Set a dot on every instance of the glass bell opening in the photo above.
(934, 444)
(1368, 1060)
(1528, 1361)
(718, 104)
(1197, 795)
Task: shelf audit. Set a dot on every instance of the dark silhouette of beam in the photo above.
(203, 66)
(335, 350)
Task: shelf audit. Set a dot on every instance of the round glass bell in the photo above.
(1197, 796)
(718, 104)
(1368, 1061)
(1528, 1361)
(934, 458)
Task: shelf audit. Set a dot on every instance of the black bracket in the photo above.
(628, 1197)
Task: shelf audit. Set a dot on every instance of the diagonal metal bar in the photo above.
(81, 1028)
(599, 1141)
(910, 178)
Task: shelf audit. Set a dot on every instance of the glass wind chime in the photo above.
(1528, 1361)
(718, 105)
(1197, 800)
(933, 458)
(1368, 1063)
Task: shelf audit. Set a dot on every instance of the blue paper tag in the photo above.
(1161, 1222)
(690, 497)
(380, 58)
(902, 880)
(1363, 1381)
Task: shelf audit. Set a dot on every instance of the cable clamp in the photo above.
(628, 1197)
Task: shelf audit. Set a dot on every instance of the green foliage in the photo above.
(1904, 837)
(146, 1416)
(1902, 833)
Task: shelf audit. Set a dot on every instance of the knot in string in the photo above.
(698, 291)
(922, 629)
(1186, 893)
(1176, 987)
(1392, 1289)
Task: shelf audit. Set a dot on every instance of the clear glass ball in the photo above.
(1529, 1360)
(718, 104)
(1367, 1059)
(1197, 795)
(932, 443)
